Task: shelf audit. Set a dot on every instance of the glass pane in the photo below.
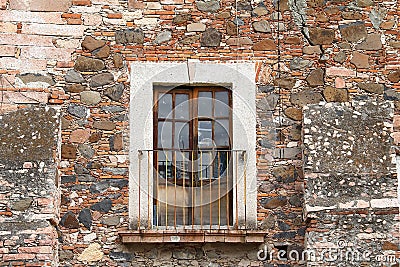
(181, 135)
(165, 165)
(182, 106)
(220, 164)
(221, 104)
(165, 105)
(221, 134)
(205, 104)
(164, 134)
(183, 164)
(205, 164)
(205, 134)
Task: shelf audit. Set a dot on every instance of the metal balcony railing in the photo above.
(192, 189)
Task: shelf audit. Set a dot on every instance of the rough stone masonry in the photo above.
(325, 172)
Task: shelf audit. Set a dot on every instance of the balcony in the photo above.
(191, 196)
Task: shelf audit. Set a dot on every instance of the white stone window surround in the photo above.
(398, 180)
(239, 77)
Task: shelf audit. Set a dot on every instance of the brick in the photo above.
(396, 122)
(71, 16)
(82, 2)
(23, 64)
(52, 29)
(8, 27)
(44, 201)
(40, 5)
(25, 40)
(36, 250)
(340, 71)
(20, 256)
(172, 2)
(92, 19)
(105, 2)
(31, 17)
(384, 203)
(72, 43)
(46, 53)
(44, 257)
(146, 21)
(196, 27)
(153, 6)
(114, 16)
(19, 4)
(31, 264)
(61, 64)
(79, 136)
(25, 97)
(340, 83)
(396, 138)
(48, 242)
(3, 4)
(56, 101)
(9, 242)
(7, 51)
(134, 4)
(74, 22)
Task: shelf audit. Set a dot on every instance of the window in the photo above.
(174, 137)
(192, 152)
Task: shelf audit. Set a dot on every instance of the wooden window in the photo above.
(192, 144)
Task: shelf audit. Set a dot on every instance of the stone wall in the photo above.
(76, 54)
(351, 185)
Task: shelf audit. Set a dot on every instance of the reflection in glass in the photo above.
(212, 163)
(220, 164)
(181, 106)
(205, 134)
(221, 135)
(183, 164)
(221, 104)
(165, 164)
(181, 135)
(165, 105)
(205, 104)
(205, 164)
(164, 134)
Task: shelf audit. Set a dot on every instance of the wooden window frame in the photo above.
(193, 96)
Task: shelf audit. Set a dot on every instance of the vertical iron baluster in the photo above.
(158, 215)
(210, 181)
(193, 192)
(148, 189)
(201, 189)
(236, 190)
(166, 190)
(227, 174)
(175, 190)
(245, 187)
(140, 163)
(184, 182)
(219, 191)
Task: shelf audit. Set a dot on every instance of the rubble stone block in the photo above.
(357, 138)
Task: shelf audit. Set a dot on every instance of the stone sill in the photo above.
(192, 236)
